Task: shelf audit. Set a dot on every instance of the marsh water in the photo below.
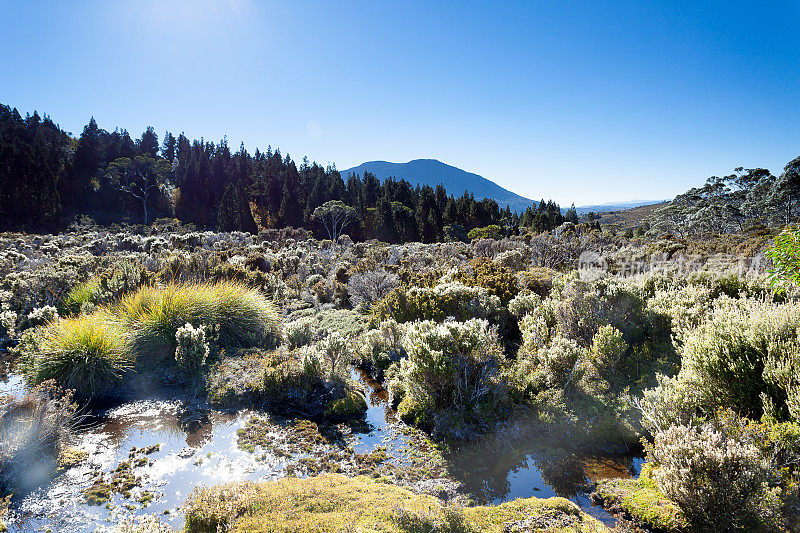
(198, 445)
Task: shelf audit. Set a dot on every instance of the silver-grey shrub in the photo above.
(368, 287)
(719, 482)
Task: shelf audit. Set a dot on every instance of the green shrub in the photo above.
(608, 348)
(462, 302)
(558, 360)
(379, 348)
(581, 308)
(538, 280)
(337, 355)
(525, 302)
(499, 280)
(87, 354)
(785, 255)
(493, 231)
(451, 368)
(300, 332)
(748, 351)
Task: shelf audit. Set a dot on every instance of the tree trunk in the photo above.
(144, 208)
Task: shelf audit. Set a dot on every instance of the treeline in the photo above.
(48, 177)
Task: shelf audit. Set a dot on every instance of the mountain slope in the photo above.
(433, 172)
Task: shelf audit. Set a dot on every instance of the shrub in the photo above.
(379, 348)
(87, 354)
(406, 304)
(368, 287)
(8, 322)
(492, 231)
(536, 327)
(511, 259)
(785, 255)
(718, 482)
(558, 360)
(525, 302)
(192, 350)
(451, 369)
(608, 348)
(42, 315)
(275, 378)
(746, 350)
(583, 307)
(293, 379)
(499, 280)
(301, 332)
(336, 354)
(240, 317)
(538, 280)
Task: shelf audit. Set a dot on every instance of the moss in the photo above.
(123, 481)
(352, 405)
(333, 502)
(641, 500)
(98, 493)
(299, 436)
(146, 497)
(69, 457)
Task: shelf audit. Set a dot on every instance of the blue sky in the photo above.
(583, 102)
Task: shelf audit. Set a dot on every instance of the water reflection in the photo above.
(199, 445)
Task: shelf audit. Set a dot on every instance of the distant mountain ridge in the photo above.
(616, 206)
(433, 172)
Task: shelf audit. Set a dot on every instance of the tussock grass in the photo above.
(91, 353)
(33, 432)
(83, 293)
(86, 354)
(236, 315)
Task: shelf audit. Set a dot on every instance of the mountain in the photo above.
(616, 206)
(433, 172)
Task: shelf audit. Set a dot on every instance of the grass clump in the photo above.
(331, 502)
(236, 315)
(34, 432)
(87, 354)
(176, 324)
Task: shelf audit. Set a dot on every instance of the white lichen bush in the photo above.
(379, 348)
(42, 315)
(301, 332)
(8, 322)
(512, 259)
(453, 364)
(747, 347)
(368, 287)
(192, 349)
(336, 354)
(524, 303)
(720, 483)
(558, 360)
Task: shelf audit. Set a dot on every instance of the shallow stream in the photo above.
(198, 445)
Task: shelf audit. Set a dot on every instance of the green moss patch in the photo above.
(332, 502)
(642, 501)
(352, 405)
